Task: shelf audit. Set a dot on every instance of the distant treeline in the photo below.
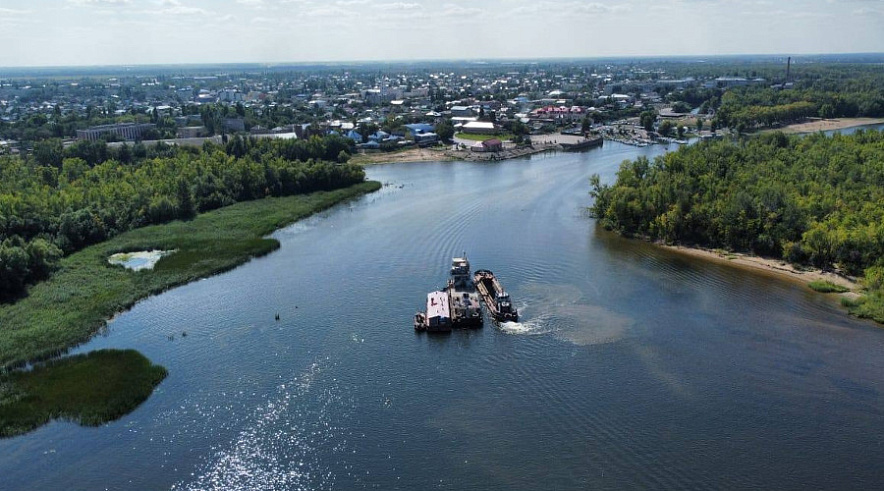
(813, 200)
(60, 200)
(827, 91)
(747, 108)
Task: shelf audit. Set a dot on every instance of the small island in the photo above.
(89, 390)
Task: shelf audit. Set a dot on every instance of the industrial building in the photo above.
(123, 131)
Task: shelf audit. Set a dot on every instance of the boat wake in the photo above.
(530, 327)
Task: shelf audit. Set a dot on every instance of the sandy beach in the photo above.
(815, 125)
(775, 267)
(409, 155)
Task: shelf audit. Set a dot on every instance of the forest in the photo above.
(814, 200)
(818, 90)
(59, 200)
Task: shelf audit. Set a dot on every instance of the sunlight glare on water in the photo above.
(276, 448)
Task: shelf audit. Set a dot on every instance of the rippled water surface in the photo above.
(631, 368)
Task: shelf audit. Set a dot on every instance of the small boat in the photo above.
(420, 321)
(496, 299)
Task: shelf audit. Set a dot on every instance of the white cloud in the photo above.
(174, 7)
(454, 10)
(397, 6)
(370, 29)
(569, 8)
(99, 2)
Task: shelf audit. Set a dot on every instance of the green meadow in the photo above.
(75, 302)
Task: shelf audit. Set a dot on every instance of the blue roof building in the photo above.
(418, 128)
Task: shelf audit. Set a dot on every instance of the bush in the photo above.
(823, 286)
(874, 278)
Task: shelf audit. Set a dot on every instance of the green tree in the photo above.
(647, 120)
(445, 130)
(681, 107)
(49, 152)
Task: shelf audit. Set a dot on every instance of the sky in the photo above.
(135, 32)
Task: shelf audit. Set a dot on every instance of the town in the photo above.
(467, 107)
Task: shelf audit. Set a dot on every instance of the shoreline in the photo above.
(76, 302)
(401, 157)
(776, 267)
(413, 155)
(816, 125)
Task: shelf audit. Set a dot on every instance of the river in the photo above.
(634, 367)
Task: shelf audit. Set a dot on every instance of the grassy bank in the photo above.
(869, 306)
(481, 138)
(89, 389)
(71, 306)
(823, 286)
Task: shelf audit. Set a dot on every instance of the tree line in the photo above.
(810, 200)
(53, 207)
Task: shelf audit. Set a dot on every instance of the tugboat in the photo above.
(496, 299)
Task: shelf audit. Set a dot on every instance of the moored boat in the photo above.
(496, 299)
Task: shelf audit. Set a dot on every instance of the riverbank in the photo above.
(447, 155)
(401, 156)
(817, 125)
(75, 303)
(777, 267)
(854, 297)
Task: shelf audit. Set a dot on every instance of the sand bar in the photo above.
(815, 125)
(775, 267)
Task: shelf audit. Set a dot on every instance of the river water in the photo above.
(633, 368)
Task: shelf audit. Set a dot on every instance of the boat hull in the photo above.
(491, 292)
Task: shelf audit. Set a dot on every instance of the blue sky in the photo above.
(90, 32)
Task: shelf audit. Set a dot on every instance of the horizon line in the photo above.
(435, 60)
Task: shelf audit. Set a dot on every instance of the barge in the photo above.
(464, 299)
(496, 299)
(456, 305)
(590, 142)
(437, 317)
